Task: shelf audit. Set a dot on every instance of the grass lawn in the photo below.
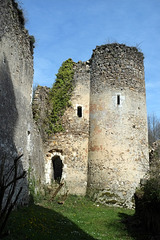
(77, 219)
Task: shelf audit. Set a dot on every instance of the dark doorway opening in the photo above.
(57, 168)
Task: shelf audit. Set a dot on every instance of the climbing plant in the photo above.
(60, 95)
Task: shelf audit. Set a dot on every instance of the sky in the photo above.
(73, 28)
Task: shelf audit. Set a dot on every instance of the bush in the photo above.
(147, 200)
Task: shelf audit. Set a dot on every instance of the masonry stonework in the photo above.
(18, 134)
(103, 151)
(118, 148)
(104, 148)
(72, 145)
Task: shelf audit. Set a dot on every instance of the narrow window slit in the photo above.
(79, 111)
(118, 100)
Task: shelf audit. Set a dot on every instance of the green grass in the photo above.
(77, 219)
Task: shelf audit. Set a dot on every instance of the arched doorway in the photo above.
(57, 168)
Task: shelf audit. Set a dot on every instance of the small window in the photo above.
(118, 100)
(79, 111)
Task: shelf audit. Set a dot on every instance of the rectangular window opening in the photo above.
(79, 111)
(118, 100)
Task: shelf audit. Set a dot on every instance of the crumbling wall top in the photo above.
(117, 66)
(115, 49)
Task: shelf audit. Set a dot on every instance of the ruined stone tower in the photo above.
(104, 149)
(118, 149)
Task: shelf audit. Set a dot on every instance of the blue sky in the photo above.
(73, 28)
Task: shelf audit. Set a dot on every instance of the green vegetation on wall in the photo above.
(32, 43)
(60, 95)
(19, 10)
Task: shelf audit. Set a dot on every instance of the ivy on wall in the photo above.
(60, 95)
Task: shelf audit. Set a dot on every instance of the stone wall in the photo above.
(118, 146)
(72, 144)
(41, 109)
(107, 115)
(111, 123)
(18, 134)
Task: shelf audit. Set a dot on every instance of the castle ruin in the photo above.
(104, 149)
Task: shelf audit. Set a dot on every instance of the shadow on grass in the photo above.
(39, 223)
(135, 228)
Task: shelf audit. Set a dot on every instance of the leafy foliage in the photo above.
(147, 197)
(148, 206)
(151, 191)
(60, 95)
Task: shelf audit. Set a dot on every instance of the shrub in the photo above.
(147, 200)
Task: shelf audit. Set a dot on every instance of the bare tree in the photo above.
(153, 128)
(34, 90)
(9, 194)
